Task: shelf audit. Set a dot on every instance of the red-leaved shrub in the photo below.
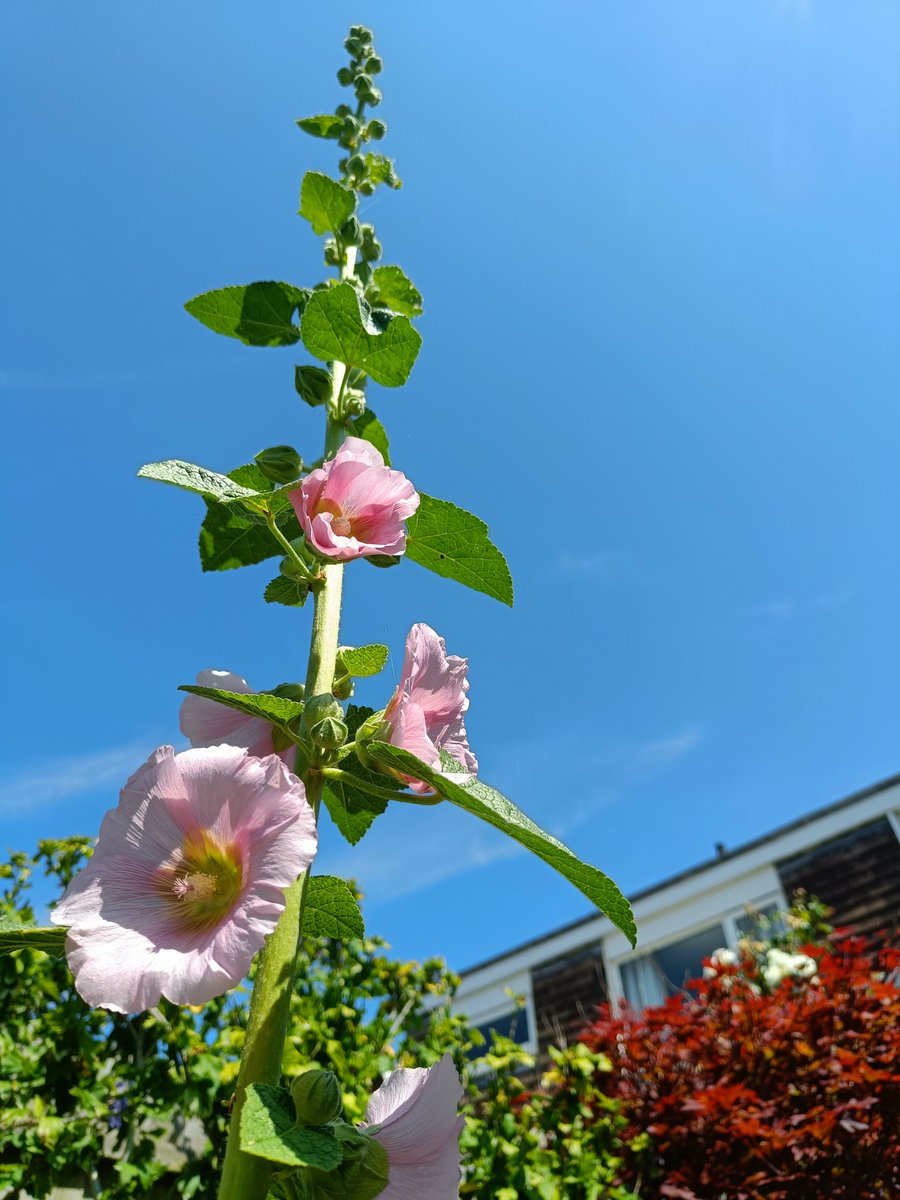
(748, 1094)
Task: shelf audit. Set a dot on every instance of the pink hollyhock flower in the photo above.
(205, 722)
(354, 505)
(187, 879)
(417, 1124)
(425, 713)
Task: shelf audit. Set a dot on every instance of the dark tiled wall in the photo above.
(858, 874)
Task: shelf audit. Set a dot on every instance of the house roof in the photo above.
(707, 864)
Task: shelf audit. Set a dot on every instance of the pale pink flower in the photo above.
(354, 505)
(425, 713)
(187, 879)
(205, 722)
(416, 1121)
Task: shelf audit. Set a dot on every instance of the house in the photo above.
(847, 854)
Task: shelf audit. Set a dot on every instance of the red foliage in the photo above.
(792, 1095)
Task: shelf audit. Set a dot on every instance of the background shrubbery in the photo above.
(776, 1079)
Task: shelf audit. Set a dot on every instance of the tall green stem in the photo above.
(245, 1177)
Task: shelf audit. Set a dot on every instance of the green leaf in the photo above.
(282, 590)
(237, 537)
(380, 169)
(494, 808)
(396, 291)
(367, 426)
(278, 710)
(16, 936)
(325, 125)
(362, 661)
(352, 810)
(455, 544)
(325, 203)
(269, 1130)
(331, 910)
(257, 314)
(192, 478)
(338, 325)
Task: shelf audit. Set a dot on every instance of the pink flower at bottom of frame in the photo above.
(425, 712)
(415, 1114)
(187, 879)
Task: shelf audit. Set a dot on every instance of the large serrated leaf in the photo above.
(192, 478)
(233, 536)
(257, 314)
(494, 808)
(278, 710)
(331, 910)
(325, 203)
(396, 291)
(293, 593)
(338, 326)
(16, 936)
(363, 661)
(455, 544)
(269, 1130)
(323, 125)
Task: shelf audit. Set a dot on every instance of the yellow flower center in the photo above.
(203, 882)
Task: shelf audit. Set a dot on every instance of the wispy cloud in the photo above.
(58, 780)
(783, 609)
(410, 849)
(605, 566)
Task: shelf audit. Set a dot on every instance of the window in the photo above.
(513, 1024)
(650, 978)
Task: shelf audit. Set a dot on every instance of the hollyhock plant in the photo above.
(187, 879)
(354, 505)
(414, 1115)
(425, 713)
(205, 722)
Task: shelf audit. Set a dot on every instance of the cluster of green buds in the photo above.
(363, 1173)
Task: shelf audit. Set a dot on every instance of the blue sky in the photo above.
(660, 255)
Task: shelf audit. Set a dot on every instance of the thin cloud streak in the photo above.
(58, 780)
(788, 608)
(606, 566)
(408, 850)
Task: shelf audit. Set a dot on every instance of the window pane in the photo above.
(683, 960)
(650, 978)
(512, 1025)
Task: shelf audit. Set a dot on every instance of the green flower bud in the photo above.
(363, 1174)
(342, 689)
(343, 110)
(345, 77)
(291, 691)
(363, 34)
(367, 189)
(313, 385)
(281, 464)
(317, 1097)
(373, 729)
(322, 706)
(350, 232)
(354, 403)
(376, 130)
(356, 165)
(372, 249)
(329, 734)
(374, 65)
